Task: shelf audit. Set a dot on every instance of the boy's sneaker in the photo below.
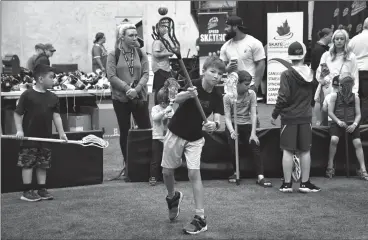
(232, 178)
(308, 187)
(174, 205)
(286, 187)
(45, 195)
(30, 196)
(152, 181)
(197, 225)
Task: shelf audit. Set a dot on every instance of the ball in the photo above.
(162, 11)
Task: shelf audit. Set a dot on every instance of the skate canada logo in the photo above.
(284, 34)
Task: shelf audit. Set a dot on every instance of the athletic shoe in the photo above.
(152, 181)
(308, 187)
(30, 196)
(232, 178)
(174, 205)
(44, 194)
(197, 225)
(286, 187)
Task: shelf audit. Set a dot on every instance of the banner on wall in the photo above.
(282, 30)
(211, 34)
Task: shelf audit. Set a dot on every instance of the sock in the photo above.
(200, 212)
(27, 187)
(41, 186)
(170, 194)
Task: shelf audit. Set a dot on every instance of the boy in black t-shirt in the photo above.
(36, 109)
(185, 136)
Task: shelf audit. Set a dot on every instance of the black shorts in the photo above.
(336, 130)
(296, 137)
(34, 158)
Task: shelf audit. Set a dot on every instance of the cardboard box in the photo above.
(94, 113)
(64, 119)
(79, 122)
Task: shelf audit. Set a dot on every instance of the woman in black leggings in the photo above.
(128, 70)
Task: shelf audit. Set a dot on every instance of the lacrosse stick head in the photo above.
(230, 86)
(92, 140)
(167, 37)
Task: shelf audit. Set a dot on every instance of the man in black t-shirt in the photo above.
(185, 136)
(33, 116)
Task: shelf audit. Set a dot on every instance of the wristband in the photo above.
(355, 124)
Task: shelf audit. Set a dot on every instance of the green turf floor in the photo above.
(119, 210)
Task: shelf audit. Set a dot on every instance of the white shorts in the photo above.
(175, 146)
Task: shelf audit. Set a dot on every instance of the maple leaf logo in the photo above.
(284, 29)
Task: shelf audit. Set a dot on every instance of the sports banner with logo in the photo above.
(282, 30)
(211, 34)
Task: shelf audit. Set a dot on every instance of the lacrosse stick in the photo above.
(296, 173)
(172, 45)
(230, 89)
(87, 141)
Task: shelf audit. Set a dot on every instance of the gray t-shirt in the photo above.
(243, 106)
(162, 62)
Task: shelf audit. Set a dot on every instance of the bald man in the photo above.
(359, 46)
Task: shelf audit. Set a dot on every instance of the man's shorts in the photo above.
(175, 146)
(34, 158)
(336, 130)
(296, 137)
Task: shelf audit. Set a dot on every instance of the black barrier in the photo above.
(216, 164)
(72, 165)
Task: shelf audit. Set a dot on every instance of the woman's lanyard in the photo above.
(131, 62)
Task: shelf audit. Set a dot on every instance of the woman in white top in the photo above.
(339, 59)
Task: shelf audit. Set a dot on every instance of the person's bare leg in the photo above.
(305, 164)
(331, 155)
(41, 176)
(287, 165)
(359, 153)
(198, 191)
(169, 181)
(27, 174)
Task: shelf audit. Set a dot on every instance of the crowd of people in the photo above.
(338, 69)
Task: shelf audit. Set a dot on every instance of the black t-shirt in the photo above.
(187, 120)
(316, 55)
(37, 109)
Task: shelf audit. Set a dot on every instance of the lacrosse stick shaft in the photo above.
(191, 85)
(40, 139)
(236, 143)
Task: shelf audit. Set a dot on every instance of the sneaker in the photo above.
(286, 187)
(174, 205)
(44, 194)
(152, 181)
(197, 225)
(30, 196)
(232, 178)
(308, 187)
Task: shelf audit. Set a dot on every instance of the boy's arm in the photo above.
(227, 111)
(59, 125)
(357, 111)
(283, 96)
(19, 112)
(331, 108)
(18, 124)
(156, 114)
(253, 113)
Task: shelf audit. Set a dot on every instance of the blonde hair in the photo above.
(121, 30)
(333, 47)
